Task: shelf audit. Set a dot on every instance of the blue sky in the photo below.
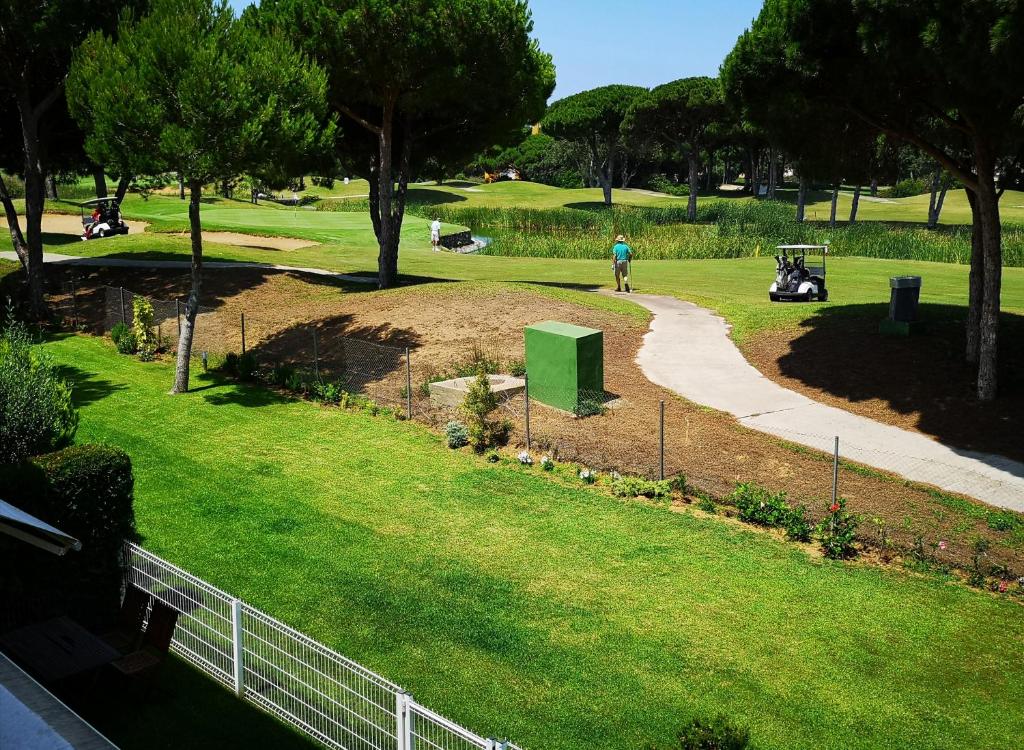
(641, 42)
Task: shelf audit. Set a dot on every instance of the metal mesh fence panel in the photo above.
(203, 634)
(334, 699)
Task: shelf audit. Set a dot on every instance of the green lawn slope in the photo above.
(556, 616)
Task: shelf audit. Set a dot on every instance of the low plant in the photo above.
(281, 374)
(493, 457)
(328, 393)
(295, 382)
(639, 487)
(142, 325)
(758, 505)
(547, 463)
(798, 526)
(589, 406)
(707, 505)
(516, 367)
(456, 434)
(124, 338)
(713, 734)
(588, 476)
(247, 367)
(525, 458)
(1003, 520)
(837, 531)
(979, 551)
(678, 483)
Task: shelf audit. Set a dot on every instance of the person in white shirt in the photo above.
(435, 234)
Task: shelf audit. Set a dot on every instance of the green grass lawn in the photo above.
(556, 616)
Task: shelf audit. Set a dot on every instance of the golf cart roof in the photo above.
(801, 247)
(94, 201)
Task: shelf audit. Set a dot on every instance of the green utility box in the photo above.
(565, 364)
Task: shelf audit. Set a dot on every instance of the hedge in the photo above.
(85, 491)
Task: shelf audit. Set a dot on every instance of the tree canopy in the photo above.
(201, 94)
(679, 114)
(417, 79)
(594, 118)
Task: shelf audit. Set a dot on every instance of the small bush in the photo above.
(516, 368)
(759, 506)
(588, 476)
(124, 338)
(142, 327)
(713, 734)
(837, 532)
(678, 483)
(589, 407)
(294, 382)
(798, 527)
(547, 463)
(281, 375)
(456, 434)
(328, 393)
(247, 367)
(36, 413)
(493, 457)
(906, 189)
(663, 184)
(639, 487)
(478, 405)
(230, 364)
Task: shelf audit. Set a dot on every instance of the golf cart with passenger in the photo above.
(795, 281)
(103, 219)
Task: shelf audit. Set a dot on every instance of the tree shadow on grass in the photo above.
(421, 196)
(87, 387)
(841, 352)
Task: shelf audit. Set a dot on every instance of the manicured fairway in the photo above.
(559, 617)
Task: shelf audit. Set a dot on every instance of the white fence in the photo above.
(329, 697)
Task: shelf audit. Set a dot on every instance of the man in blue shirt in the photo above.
(621, 255)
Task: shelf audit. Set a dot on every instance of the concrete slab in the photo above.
(451, 393)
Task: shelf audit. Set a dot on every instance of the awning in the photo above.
(19, 524)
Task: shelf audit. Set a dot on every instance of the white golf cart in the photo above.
(795, 281)
(103, 219)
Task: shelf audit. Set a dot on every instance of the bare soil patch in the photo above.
(442, 324)
(919, 383)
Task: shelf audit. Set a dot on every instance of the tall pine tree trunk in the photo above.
(834, 206)
(99, 178)
(387, 261)
(855, 204)
(34, 202)
(181, 187)
(691, 204)
(772, 173)
(992, 261)
(122, 187)
(51, 188)
(874, 187)
(801, 199)
(188, 324)
(976, 284)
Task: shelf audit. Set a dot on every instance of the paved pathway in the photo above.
(72, 260)
(689, 351)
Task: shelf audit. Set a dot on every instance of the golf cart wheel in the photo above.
(823, 297)
(773, 297)
(100, 233)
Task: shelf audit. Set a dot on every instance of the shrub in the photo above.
(547, 463)
(517, 368)
(798, 527)
(85, 491)
(124, 338)
(758, 505)
(678, 483)
(639, 487)
(247, 367)
(456, 434)
(663, 184)
(142, 326)
(328, 393)
(36, 413)
(478, 405)
(906, 189)
(281, 375)
(837, 531)
(230, 364)
(714, 734)
(588, 476)
(493, 456)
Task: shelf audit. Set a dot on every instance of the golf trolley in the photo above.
(795, 281)
(104, 220)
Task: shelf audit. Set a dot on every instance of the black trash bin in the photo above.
(905, 293)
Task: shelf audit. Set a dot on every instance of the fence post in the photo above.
(121, 293)
(236, 641)
(526, 393)
(835, 472)
(243, 333)
(74, 303)
(661, 440)
(403, 721)
(408, 383)
(316, 354)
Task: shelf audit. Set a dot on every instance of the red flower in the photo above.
(834, 507)
(1003, 585)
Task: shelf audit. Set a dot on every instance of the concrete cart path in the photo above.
(688, 350)
(73, 260)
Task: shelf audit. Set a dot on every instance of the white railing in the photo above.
(329, 697)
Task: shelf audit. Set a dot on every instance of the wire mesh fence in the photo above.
(333, 699)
